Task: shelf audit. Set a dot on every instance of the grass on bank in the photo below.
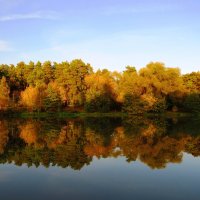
(65, 114)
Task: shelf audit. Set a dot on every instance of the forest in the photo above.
(74, 86)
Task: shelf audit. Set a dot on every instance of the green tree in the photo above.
(4, 71)
(21, 75)
(102, 103)
(134, 105)
(48, 72)
(52, 100)
(75, 79)
(37, 76)
(192, 102)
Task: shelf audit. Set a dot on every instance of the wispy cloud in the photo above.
(4, 46)
(50, 15)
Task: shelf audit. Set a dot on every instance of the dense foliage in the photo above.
(70, 86)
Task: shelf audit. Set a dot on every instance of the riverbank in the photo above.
(61, 114)
(65, 114)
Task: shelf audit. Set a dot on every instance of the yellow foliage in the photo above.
(149, 99)
(151, 130)
(32, 98)
(100, 83)
(161, 80)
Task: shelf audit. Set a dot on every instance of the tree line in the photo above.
(76, 86)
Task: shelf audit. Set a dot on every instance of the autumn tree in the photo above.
(4, 94)
(161, 81)
(101, 92)
(159, 87)
(60, 73)
(192, 82)
(129, 84)
(32, 98)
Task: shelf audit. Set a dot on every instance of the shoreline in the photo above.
(65, 114)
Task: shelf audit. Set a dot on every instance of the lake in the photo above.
(100, 158)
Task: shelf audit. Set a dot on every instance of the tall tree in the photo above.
(48, 72)
(37, 76)
(21, 75)
(75, 79)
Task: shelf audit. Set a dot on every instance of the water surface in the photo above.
(100, 158)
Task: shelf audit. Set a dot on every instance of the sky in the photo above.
(105, 33)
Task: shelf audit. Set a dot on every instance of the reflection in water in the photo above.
(75, 142)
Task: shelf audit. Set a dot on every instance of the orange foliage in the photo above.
(31, 98)
(29, 133)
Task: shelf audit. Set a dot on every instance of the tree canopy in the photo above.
(70, 85)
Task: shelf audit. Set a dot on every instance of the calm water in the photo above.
(100, 158)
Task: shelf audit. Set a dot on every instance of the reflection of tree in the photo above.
(193, 146)
(152, 145)
(158, 153)
(63, 148)
(73, 143)
(95, 145)
(3, 136)
(29, 132)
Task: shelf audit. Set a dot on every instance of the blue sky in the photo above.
(106, 33)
